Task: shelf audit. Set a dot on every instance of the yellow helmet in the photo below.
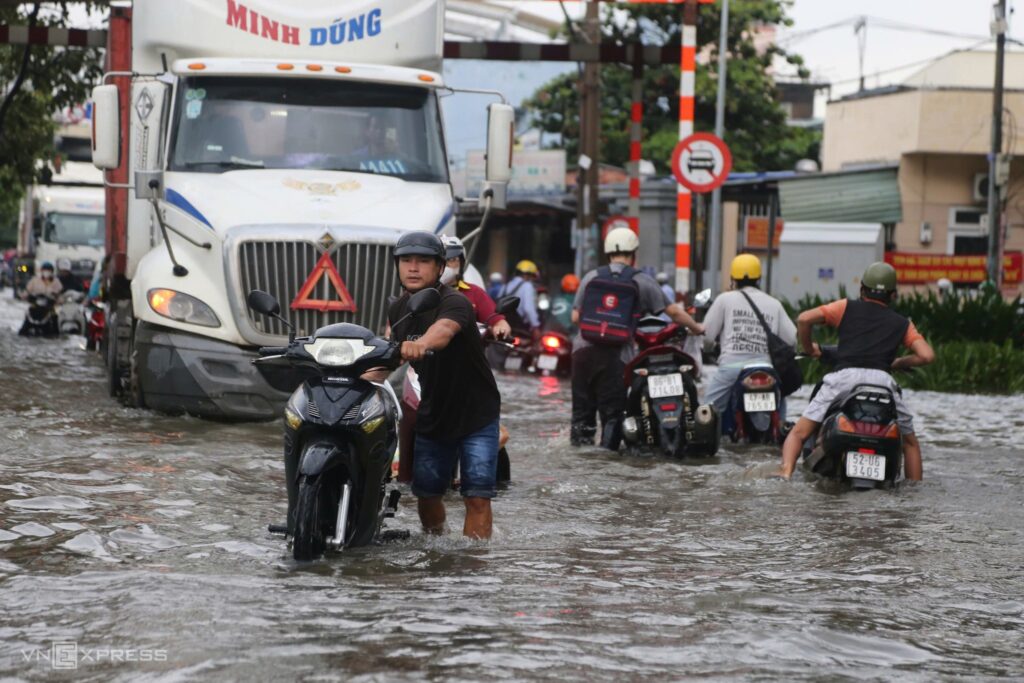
(745, 267)
(526, 266)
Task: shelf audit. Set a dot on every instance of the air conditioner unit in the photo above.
(980, 187)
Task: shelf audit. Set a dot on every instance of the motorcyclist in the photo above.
(460, 403)
(741, 336)
(70, 281)
(561, 304)
(483, 305)
(494, 285)
(43, 283)
(870, 336)
(526, 317)
(662, 279)
(598, 369)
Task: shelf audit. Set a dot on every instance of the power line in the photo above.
(910, 65)
(877, 22)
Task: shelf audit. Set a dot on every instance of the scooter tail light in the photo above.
(893, 432)
(551, 342)
(758, 380)
(845, 424)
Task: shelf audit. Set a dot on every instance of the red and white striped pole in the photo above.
(684, 203)
(635, 136)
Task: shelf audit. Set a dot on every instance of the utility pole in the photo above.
(995, 167)
(590, 130)
(715, 231)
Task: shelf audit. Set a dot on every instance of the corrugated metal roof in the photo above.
(869, 196)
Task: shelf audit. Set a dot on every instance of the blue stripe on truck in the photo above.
(175, 199)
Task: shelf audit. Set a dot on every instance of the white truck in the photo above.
(259, 144)
(64, 219)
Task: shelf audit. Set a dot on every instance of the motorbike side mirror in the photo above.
(424, 300)
(703, 298)
(264, 303)
(507, 304)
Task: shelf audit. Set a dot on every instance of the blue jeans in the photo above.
(720, 389)
(477, 455)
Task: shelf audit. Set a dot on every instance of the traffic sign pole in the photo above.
(684, 200)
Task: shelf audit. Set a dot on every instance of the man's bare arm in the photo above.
(805, 323)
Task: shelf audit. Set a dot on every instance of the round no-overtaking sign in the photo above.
(701, 162)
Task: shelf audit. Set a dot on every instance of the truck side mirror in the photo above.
(500, 138)
(106, 127)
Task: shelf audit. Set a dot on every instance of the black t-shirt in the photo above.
(460, 395)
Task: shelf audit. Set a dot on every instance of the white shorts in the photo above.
(839, 384)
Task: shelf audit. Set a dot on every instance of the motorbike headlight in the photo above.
(182, 307)
(337, 352)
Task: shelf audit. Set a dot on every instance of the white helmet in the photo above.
(621, 241)
(453, 247)
(497, 277)
(63, 264)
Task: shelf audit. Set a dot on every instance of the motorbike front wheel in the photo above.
(309, 541)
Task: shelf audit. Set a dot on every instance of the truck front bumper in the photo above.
(180, 372)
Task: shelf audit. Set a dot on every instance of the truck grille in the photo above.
(281, 268)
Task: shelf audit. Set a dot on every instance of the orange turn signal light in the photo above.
(426, 78)
(343, 69)
(285, 67)
(196, 66)
(314, 67)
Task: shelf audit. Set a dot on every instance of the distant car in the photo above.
(701, 160)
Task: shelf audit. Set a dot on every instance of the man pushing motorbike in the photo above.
(870, 336)
(460, 403)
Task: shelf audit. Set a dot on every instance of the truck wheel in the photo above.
(110, 356)
(308, 541)
(133, 396)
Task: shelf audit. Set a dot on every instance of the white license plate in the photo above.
(661, 386)
(546, 361)
(514, 363)
(761, 402)
(865, 466)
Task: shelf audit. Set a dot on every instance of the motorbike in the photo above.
(71, 312)
(554, 356)
(341, 432)
(41, 317)
(755, 403)
(859, 443)
(95, 322)
(662, 409)
(518, 355)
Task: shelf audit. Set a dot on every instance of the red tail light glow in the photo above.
(758, 380)
(516, 341)
(551, 342)
(886, 431)
(667, 406)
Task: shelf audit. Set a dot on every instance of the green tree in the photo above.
(36, 83)
(755, 123)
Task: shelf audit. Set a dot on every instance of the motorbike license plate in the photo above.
(547, 361)
(865, 466)
(662, 386)
(514, 363)
(760, 402)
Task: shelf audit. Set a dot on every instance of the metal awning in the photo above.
(861, 196)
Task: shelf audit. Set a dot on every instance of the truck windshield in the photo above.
(74, 228)
(228, 123)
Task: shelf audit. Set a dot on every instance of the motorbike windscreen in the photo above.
(75, 228)
(231, 123)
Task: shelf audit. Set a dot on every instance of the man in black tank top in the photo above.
(870, 337)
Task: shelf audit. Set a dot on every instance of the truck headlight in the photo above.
(182, 307)
(337, 352)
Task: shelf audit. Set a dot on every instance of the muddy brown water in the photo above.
(136, 542)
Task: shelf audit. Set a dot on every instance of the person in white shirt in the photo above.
(733, 322)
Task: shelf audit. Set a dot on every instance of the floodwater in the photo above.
(133, 547)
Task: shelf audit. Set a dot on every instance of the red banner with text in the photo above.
(922, 268)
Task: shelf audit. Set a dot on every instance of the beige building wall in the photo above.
(940, 139)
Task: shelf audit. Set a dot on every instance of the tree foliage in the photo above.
(36, 83)
(755, 123)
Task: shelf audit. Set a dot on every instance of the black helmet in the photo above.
(420, 243)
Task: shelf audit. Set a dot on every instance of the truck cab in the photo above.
(288, 160)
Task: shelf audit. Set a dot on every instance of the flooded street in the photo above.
(139, 536)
